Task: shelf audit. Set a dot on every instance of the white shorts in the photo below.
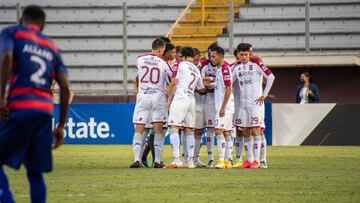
(250, 117)
(209, 110)
(150, 109)
(182, 112)
(225, 122)
(200, 117)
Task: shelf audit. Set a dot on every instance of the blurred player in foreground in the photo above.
(29, 61)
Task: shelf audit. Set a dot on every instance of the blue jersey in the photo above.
(36, 59)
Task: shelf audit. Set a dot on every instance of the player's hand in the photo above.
(260, 100)
(222, 112)
(310, 93)
(4, 111)
(58, 137)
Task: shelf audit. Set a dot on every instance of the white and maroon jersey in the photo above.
(249, 79)
(208, 70)
(223, 79)
(198, 97)
(153, 73)
(189, 78)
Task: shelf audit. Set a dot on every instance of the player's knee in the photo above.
(173, 130)
(218, 131)
(256, 131)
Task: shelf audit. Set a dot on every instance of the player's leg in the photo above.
(158, 143)
(210, 143)
(239, 145)
(209, 113)
(248, 147)
(146, 149)
(184, 155)
(5, 195)
(221, 144)
(263, 150)
(37, 186)
(190, 144)
(138, 142)
(198, 143)
(255, 132)
(228, 148)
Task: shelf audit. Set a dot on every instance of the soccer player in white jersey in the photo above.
(153, 74)
(199, 118)
(249, 76)
(181, 102)
(208, 70)
(224, 105)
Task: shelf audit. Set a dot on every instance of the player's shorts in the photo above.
(250, 117)
(225, 122)
(200, 117)
(27, 139)
(182, 112)
(209, 110)
(150, 108)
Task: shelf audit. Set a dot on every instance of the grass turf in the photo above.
(101, 174)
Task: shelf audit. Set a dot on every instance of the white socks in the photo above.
(198, 141)
(239, 144)
(190, 145)
(229, 147)
(175, 142)
(221, 143)
(257, 144)
(184, 145)
(138, 142)
(263, 148)
(158, 145)
(248, 148)
(210, 137)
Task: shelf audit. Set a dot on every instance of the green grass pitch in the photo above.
(101, 174)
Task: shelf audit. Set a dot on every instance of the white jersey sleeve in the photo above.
(264, 71)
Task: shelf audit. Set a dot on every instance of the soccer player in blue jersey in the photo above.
(29, 62)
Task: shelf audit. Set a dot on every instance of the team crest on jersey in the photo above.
(250, 67)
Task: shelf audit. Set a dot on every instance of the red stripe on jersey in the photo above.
(36, 39)
(30, 104)
(175, 69)
(31, 91)
(225, 70)
(13, 79)
(261, 65)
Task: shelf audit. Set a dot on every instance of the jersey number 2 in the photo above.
(37, 76)
(192, 81)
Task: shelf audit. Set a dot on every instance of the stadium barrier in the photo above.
(110, 123)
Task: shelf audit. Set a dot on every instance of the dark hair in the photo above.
(243, 47)
(178, 49)
(188, 52)
(219, 50)
(168, 47)
(157, 43)
(235, 52)
(167, 40)
(212, 45)
(34, 13)
(197, 51)
(308, 74)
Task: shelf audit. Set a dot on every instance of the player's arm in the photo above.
(200, 87)
(171, 91)
(227, 83)
(6, 59)
(269, 82)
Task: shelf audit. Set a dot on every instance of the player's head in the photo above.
(34, 15)
(169, 53)
(235, 54)
(217, 55)
(179, 55)
(305, 77)
(212, 45)
(158, 47)
(251, 50)
(167, 40)
(188, 53)
(197, 56)
(243, 52)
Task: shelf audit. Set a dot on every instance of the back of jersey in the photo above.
(35, 60)
(189, 78)
(154, 73)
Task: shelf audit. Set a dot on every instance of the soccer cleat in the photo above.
(136, 164)
(199, 164)
(237, 164)
(246, 164)
(145, 163)
(175, 164)
(220, 164)
(255, 164)
(190, 163)
(228, 164)
(211, 164)
(263, 164)
(158, 165)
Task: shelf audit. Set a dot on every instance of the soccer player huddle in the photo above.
(187, 98)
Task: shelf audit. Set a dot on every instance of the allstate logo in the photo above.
(86, 130)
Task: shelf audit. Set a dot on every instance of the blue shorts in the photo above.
(27, 138)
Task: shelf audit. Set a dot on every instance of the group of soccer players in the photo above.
(181, 95)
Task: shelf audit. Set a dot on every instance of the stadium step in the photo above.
(188, 30)
(196, 44)
(216, 2)
(195, 37)
(208, 16)
(213, 9)
(193, 23)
